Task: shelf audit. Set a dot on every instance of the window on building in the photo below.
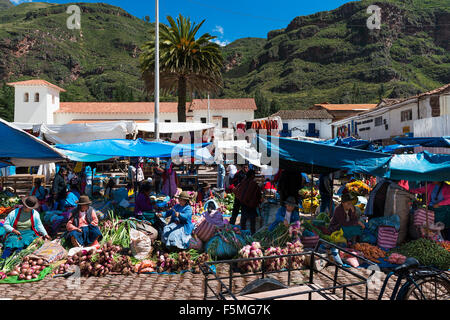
(378, 121)
(26, 97)
(224, 122)
(203, 120)
(167, 121)
(406, 115)
(36, 97)
(53, 99)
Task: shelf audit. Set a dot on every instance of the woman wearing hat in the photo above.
(83, 227)
(286, 214)
(179, 230)
(205, 193)
(345, 217)
(23, 225)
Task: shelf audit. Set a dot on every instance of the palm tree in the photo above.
(186, 63)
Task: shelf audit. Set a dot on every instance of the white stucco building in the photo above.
(400, 117)
(37, 102)
(306, 123)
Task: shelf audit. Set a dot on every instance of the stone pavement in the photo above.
(187, 286)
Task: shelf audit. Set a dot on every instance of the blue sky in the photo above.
(227, 19)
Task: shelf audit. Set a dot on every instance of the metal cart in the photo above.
(222, 287)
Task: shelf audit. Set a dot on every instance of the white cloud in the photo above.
(221, 43)
(218, 29)
(20, 1)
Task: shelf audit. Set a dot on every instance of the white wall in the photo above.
(445, 104)
(64, 118)
(31, 111)
(232, 115)
(302, 125)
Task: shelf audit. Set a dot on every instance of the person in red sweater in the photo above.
(249, 194)
(82, 227)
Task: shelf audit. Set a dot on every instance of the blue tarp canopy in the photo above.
(423, 166)
(436, 142)
(321, 158)
(110, 148)
(21, 149)
(395, 147)
(350, 142)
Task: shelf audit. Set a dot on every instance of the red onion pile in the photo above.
(30, 268)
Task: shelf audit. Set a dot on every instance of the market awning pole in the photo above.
(157, 70)
(330, 213)
(426, 210)
(209, 110)
(312, 189)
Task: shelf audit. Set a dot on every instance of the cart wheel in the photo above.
(435, 288)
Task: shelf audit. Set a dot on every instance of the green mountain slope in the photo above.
(328, 56)
(5, 4)
(97, 62)
(333, 56)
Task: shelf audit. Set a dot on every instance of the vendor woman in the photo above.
(179, 230)
(22, 226)
(83, 230)
(204, 193)
(143, 202)
(438, 201)
(345, 218)
(38, 190)
(287, 214)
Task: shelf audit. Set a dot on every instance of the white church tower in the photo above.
(35, 101)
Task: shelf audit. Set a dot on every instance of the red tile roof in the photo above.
(116, 107)
(346, 107)
(303, 114)
(149, 107)
(36, 82)
(101, 121)
(224, 104)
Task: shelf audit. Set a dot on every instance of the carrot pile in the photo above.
(445, 245)
(4, 210)
(372, 253)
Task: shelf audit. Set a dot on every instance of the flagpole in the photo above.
(157, 71)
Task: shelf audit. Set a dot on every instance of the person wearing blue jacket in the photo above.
(287, 214)
(179, 230)
(22, 226)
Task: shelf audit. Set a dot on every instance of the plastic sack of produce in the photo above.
(309, 239)
(218, 248)
(387, 237)
(368, 237)
(392, 221)
(420, 217)
(207, 226)
(146, 227)
(140, 244)
(195, 244)
(338, 237)
(50, 251)
(120, 194)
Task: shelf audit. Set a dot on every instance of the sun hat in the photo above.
(84, 200)
(346, 197)
(291, 201)
(205, 185)
(30, 202)
(185, 196)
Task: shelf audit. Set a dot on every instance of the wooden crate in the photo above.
(22, 183)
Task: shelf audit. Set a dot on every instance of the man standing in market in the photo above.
(238, 178)
(326, 193)
(59, 188)
(249, 194)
